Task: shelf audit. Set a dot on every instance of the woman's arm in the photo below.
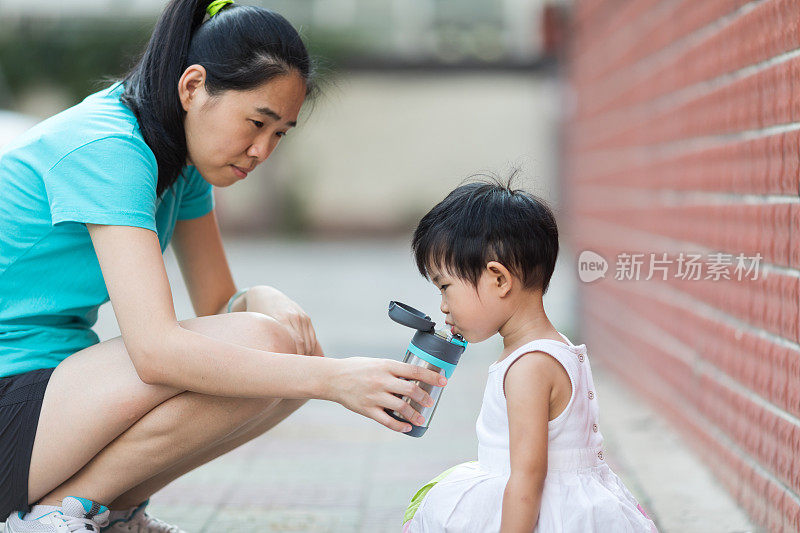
(165, 353)
(201, 257)
(528, 384)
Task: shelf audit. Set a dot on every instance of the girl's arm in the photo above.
(165, 353)
(528, 384)
(201, 257)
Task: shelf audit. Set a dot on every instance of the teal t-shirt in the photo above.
(88, 164)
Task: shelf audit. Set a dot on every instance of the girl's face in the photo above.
(472, 311)
(231, 133)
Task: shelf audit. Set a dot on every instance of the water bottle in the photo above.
(437, 350)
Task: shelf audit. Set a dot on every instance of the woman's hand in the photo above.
(272, 302)
(368, 386)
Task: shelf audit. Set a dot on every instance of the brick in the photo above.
(794, 236)
(790, 306)
(793, 385)
(791, 163)
(779, 368)
(794, 67)
(784, 434)
(795, 456)
(791, 513)
(774, 507)
(773, 299)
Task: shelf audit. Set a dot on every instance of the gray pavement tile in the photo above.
(191, 516)
(235, 519)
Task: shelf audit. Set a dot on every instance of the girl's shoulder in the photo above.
(563, 352)
(549, 365)
(556, 357)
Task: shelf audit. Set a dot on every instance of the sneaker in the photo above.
(138, 521)
(75, 514)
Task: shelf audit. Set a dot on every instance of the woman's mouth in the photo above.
(241, 173)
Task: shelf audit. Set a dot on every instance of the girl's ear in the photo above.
(500, 277)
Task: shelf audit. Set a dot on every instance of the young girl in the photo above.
(491, 251)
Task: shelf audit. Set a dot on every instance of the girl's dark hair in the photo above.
(488, 221)
(240, 47)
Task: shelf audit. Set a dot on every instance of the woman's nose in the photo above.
(253, 151)
(443, 308)
(260, 150)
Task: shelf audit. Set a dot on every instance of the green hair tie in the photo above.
(215, 6)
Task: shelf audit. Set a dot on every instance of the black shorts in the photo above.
(20, 404)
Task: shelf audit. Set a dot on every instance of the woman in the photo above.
(89, 200)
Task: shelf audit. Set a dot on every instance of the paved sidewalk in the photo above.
(673, 485)
(329, 470)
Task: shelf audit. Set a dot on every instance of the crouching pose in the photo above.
(89, 200)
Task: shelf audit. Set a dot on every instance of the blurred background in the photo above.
(651, 126)
(417, 96)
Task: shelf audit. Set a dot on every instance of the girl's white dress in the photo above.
(581, 493)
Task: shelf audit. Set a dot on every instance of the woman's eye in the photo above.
(443, 287)
(258, 123)
(280, 133)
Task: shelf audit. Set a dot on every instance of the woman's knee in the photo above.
(254, 330)
(268, 334)
(222, 414)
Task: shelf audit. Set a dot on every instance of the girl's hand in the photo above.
(272, 302)
(367, 386)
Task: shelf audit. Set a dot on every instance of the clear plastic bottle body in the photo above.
(434, 392)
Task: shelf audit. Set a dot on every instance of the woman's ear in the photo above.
(192, 80)
(501, 279)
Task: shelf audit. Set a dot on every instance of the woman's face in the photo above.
(229, 134)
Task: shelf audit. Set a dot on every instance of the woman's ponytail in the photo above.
(240, 48)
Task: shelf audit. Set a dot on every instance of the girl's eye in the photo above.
(443, 287)
(280, 133)
(258, 123)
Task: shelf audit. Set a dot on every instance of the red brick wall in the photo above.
(683, 137)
